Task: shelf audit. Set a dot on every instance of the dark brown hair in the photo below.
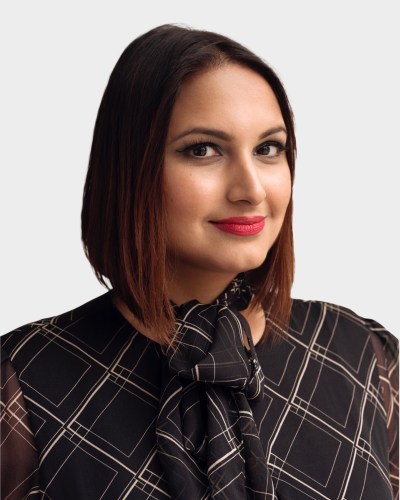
(123, 217)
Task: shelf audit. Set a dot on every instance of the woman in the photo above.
(196, 374)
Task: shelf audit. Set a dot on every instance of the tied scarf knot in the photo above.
(206, 435)
(219, 360)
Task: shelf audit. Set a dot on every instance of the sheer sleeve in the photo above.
(18, 452)
(387, 353)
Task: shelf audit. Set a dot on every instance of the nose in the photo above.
(245, 182)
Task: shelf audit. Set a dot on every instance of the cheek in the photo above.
(179, 199)
(279, 192)
(188, 194)
(176, 193)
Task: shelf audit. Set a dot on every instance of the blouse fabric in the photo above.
(81, 398)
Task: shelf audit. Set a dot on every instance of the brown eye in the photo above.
(270, 149)
(200, 150)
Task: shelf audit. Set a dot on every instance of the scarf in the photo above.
(207, 438)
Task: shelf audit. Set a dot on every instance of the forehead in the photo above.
(227, 97)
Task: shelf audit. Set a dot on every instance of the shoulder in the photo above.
(89, 324)
(59, 361)
(342, 326)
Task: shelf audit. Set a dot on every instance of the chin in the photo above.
(247, 264)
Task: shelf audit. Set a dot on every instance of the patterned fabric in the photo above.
(206, 434)
(81, 399)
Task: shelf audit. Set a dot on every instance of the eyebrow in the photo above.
(223, 135)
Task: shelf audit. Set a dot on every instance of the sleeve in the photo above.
(18, 452)
(386, 348)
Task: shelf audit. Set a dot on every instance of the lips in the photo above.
(241, 226)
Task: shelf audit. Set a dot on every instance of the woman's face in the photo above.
(226, 177)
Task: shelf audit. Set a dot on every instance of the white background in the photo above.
(339, 61)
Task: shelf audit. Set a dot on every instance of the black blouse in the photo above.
(81, 397)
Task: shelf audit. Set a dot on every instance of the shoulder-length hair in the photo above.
(123, 216)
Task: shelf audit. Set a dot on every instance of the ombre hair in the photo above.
(123, 214)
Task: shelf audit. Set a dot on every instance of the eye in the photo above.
(201, 150)
(270, 149)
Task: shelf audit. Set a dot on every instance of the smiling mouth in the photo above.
(241, 226)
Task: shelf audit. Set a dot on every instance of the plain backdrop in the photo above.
(340, 63)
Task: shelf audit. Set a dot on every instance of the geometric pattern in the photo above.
(208, 383)
(81, 392)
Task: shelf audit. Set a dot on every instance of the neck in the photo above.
(205, 287)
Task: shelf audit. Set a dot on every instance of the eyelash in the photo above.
(187, 148)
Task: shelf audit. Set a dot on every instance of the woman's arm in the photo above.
(387, 354)
(18, 452)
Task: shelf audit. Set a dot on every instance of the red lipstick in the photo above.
(241, 226)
